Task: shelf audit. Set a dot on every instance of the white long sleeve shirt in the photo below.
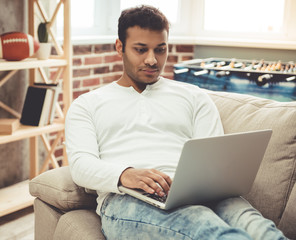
(115, 127)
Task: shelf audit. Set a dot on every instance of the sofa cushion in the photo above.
(288, 220)
(46, 218)
(79, 225)
(57, 188)
(276, 175)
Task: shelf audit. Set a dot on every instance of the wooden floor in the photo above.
(18, 225)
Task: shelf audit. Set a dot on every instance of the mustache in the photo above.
(148, 67)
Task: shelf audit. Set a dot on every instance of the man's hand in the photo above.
(149, 180)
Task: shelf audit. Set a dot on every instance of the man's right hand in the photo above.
(150, 180)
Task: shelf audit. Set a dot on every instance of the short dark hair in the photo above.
(144, 16)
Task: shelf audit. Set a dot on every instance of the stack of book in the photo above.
(8, 125)
(39, 104)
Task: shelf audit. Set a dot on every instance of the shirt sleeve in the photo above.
(87, 169)
(206, 117)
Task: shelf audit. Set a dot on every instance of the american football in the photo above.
(15, 46)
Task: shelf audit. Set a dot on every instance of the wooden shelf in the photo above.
(30, 63)
(15, 197)
(29, 131)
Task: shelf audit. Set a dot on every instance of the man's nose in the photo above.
(150, 58)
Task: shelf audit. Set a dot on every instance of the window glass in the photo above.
(82, 13)
(264, 16)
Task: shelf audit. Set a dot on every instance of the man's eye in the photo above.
(141, 50)
(160, 50)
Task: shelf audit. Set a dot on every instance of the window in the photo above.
(265, 23)
(252, 23)
(92, 18)
(250, 16)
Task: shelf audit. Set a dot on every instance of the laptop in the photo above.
(212, 169)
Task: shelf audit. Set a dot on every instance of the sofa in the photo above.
(64, 210)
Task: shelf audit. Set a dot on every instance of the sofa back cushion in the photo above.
(276, 175)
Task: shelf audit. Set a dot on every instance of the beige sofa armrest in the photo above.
(56, 187)
(288, 220)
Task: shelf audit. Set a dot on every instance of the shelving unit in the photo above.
(31, 63)
(16, 197)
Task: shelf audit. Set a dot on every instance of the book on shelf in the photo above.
(56, 89)
(8, 125)
(39, 104)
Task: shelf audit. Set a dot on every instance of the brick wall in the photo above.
(96, 65)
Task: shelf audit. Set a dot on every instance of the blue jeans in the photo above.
(124, 217)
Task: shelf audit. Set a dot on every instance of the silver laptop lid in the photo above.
(217, 167)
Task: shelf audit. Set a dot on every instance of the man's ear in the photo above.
(118, 46)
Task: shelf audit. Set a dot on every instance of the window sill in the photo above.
(209, 41)
(248, 43)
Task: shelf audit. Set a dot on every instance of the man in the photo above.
(131, 133)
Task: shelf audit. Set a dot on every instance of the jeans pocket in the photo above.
(106, 202)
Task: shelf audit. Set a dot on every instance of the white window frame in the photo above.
(105, 24)
(284, 41)
(189, 28)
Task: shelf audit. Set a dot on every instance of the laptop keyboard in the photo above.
(155, 196)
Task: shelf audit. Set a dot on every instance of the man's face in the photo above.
(144, 58)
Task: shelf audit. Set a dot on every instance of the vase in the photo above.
(44, 51)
